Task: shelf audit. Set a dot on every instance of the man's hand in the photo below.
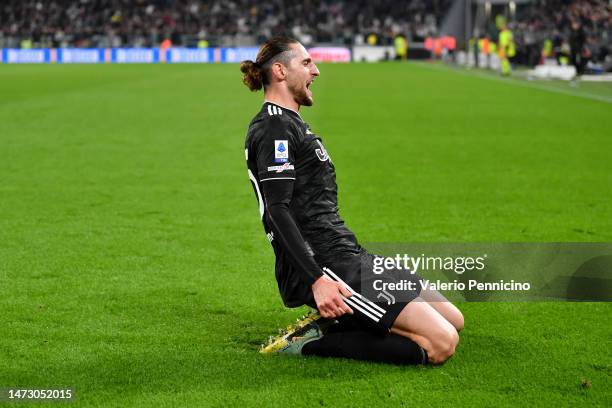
(327, 296)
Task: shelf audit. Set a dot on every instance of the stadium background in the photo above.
(132, 263)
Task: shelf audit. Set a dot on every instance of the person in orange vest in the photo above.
(165, 44)
(437, 47)
(485, 47)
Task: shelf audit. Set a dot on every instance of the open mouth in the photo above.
(309, 83)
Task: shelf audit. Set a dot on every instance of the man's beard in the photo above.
(301, 96)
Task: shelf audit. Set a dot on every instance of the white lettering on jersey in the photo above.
(280, 169)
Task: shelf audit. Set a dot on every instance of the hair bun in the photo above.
(253, 76)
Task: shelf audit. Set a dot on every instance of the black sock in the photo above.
(364, 345)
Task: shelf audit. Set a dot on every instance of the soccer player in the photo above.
(318, 259)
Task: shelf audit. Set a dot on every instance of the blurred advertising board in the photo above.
(153, 55)
(330, 54)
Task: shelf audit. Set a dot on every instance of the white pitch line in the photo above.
(521, 82)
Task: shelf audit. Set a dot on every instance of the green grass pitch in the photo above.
(134, 268)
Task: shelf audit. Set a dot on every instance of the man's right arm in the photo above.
(326, 292)
(276, 157)
(277, 193)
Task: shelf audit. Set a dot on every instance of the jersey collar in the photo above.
(285, 108)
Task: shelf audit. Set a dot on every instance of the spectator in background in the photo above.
(577, 49)
(146, 23)
(104, 23)
(552, 21)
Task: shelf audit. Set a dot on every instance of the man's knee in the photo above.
(443, 346)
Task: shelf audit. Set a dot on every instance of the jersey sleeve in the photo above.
(275, 158)
(278, 195)
(276, 150)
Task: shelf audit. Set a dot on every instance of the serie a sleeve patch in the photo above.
(281, 151)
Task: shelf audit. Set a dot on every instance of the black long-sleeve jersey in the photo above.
(295, 183)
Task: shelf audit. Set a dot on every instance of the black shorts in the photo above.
(373, 314)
